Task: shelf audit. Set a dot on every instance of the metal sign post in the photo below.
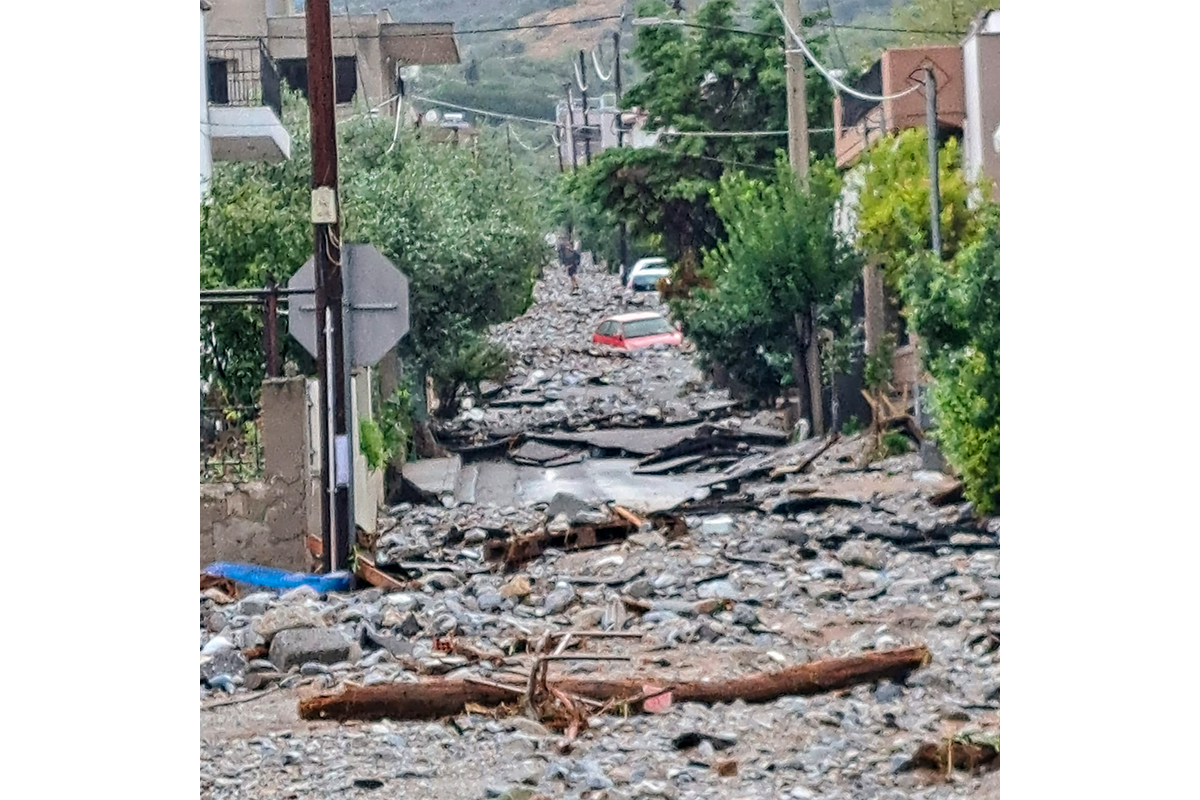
(374, 305)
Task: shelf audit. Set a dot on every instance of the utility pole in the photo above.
(571, 128)
(796, 100)
(331, 356)
(806, 371)
(587, 141)
(562, 142)
(623, 229)
(508, 139)
(931, 127)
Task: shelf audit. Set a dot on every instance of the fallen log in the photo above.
(435, 699)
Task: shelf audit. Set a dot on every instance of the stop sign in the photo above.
(376, 296)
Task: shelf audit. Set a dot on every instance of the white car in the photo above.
(656, 264)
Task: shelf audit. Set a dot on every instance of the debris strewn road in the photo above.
(770, 556)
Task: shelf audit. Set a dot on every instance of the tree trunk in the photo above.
(800, 373)
(435, 699)
(813, 357)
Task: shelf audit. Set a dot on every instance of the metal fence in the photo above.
(243, 74)
(230, 444)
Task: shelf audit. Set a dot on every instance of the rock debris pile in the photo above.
(788, 558)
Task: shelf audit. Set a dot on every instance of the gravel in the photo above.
(823, 582)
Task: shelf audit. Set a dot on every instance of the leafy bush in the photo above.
(894, 443)
(370, 443)
(954, 306)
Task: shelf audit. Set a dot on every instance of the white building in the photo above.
(240, 105)
(981, 90)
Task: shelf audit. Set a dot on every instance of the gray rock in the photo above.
(255, 605)
(440, 581)
(401, 601)
(568, 505)
(560, 598)
(284, 618)
(857, 553)
(721, 588)
(216, 621)
(226, 661)
(587, 618)
(665, 581)
(490, 601)
(296, 646)
(299, 595)
(717, 526)
(589, 774)
(641, 588)
(410, 627)
(656, 617)
(887, 692)
(821, 570)
(744, 615)
(949, 618)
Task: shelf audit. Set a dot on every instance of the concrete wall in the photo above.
(981, 77)
(265, 522)
(255, 523)
(238, 18)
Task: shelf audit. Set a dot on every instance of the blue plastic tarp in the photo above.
(272, 578)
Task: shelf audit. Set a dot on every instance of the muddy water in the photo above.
(594, 480)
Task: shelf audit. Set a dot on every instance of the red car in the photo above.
(635, 331)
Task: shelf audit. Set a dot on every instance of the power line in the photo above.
(418, 34)
(496, 114)
(884, 29)
(738, 133)
(829, 76)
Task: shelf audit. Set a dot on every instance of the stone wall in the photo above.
(261, 522)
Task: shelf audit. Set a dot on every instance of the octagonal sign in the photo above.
(377, 305)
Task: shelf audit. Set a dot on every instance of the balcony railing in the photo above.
(243, 74)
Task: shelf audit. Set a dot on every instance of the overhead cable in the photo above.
(517, 138)
(495, 114)
(829, 76)
(418, 34)
(596, 63)
(578, 76)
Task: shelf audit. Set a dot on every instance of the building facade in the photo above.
(598, 132)
(981, 84)
(858, 123)
(369, 49)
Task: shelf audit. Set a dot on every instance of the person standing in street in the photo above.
(573, 266)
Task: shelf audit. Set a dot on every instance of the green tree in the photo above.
(705, 78)
(464, 229)
(780, 257)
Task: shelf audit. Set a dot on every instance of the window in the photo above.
(295, 72)
(218, 81)
(345, 78)
(647, 327)
(608, 328)
(648, 281)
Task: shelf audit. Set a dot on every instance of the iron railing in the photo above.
(243, 74)
(230, 444)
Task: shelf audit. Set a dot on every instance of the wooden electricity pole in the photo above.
(931, 127)
(331, 352)
(807, 369)
(623, 229)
